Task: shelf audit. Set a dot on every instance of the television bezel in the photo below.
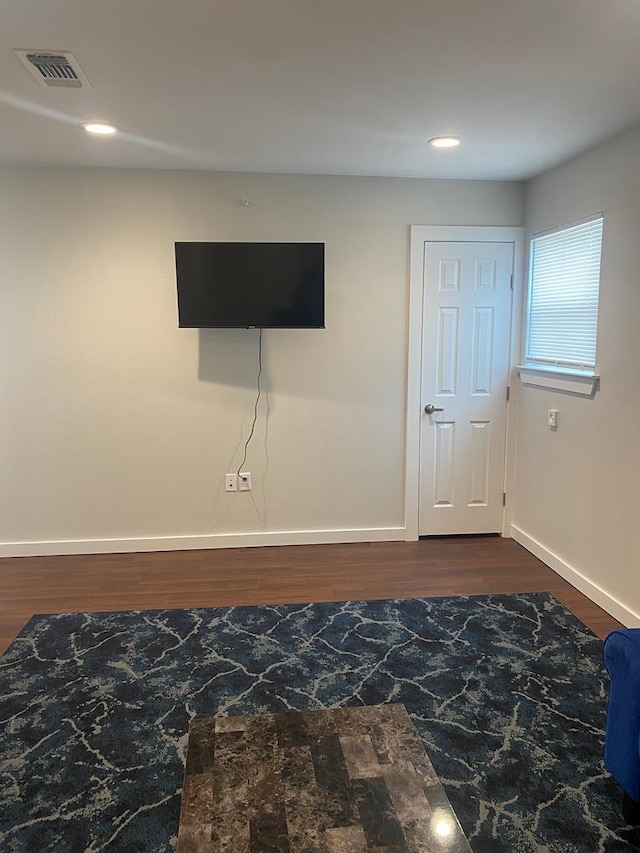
(319, 243)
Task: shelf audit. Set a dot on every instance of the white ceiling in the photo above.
(323, 86)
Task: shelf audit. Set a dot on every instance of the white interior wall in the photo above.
(577, 503)
(118, 428)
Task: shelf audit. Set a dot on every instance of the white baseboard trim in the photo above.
(192, 543)
(598, 595)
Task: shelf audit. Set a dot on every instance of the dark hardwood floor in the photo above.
(291, 574)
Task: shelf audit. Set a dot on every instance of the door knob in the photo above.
(430, 409)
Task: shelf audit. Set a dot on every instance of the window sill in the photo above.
(581, 382)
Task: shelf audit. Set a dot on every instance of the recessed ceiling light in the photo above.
(445, 141)
(99, 127)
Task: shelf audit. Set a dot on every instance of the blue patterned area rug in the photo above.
(508, 693)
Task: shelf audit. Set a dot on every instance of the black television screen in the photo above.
(247, 285)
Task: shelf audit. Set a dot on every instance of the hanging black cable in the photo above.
(255, 408)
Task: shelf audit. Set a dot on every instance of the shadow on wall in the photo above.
(309, 369)
(228, 357)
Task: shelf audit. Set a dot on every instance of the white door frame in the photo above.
(456, 234)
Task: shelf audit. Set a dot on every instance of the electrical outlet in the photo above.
(245, 481)
(231, 483)
(552, 418)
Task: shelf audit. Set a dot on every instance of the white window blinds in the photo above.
(564, 280)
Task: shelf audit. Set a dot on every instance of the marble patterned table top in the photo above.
(348, 780)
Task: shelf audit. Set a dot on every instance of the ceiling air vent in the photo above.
(57, 69)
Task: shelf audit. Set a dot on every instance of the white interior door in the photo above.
(465, 370)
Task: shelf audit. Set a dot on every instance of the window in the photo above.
(564, 280)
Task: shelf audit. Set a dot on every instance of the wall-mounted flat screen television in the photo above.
(250, 285)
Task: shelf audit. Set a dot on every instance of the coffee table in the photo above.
(347, 780)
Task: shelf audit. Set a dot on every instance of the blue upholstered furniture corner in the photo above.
(622, 745)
